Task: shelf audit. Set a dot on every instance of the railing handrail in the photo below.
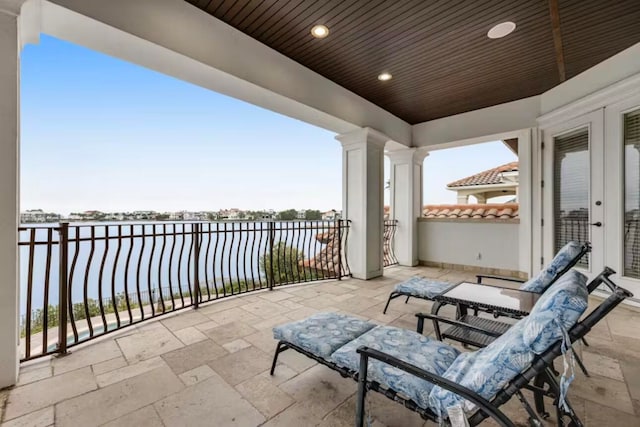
(88, 223)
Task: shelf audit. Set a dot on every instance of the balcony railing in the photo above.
(389, 233)
(579, 230)
(81, 281)
(632, 246)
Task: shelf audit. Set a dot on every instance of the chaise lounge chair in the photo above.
(429, 289)
(433, 378)
(479, 332)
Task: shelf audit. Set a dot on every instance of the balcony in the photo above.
(192, 339)
(195, 366)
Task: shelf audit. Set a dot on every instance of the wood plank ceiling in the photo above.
(438, 52)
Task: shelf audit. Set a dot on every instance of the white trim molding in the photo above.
(11, 7)
(609, 95)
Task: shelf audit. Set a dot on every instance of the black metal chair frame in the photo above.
(426, 414)
(480, 332)
(586, 248)
(539, 372)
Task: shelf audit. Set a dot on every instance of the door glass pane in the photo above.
(571, 189)
(632, 194)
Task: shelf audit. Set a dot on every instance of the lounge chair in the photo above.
(433, 378)
(479, 332)
(429, 289)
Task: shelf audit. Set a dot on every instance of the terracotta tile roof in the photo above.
(472, 211)
(491, 176)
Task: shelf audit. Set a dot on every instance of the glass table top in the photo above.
(494, 296)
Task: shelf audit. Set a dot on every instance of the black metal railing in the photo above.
(632, 246)
(388, 235)
(82, 281)
(573, 229)
(579, 230)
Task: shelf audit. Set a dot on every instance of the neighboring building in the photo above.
(189, 216)
(177, 216)
(230, 214)
(496, 182)
(144, 215)
(301, 214)
(331, 215)
(268, 214)
(38, 216)
(201, 216)
(92, 215)
(116, 216)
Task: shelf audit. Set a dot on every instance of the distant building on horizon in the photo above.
(38, 216)
(331, 215)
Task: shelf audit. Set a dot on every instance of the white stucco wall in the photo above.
(460, 242)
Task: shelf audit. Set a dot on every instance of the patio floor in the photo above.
(210, 367)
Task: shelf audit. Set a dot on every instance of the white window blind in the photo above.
(632, 194)
(571, 189)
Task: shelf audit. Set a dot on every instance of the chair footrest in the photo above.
(475, 338)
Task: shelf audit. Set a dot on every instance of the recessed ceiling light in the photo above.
(384, 76)
(319, 31)
(501, 30)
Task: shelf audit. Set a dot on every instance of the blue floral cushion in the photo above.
(559, 307)
(423, 352)
(488, 370)
(422, 287)
(563, 258)
(322, 333)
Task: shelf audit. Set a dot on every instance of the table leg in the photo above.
(436, 326)
(461, 311)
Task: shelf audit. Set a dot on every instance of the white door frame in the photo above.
(614, 187)
(594, 121)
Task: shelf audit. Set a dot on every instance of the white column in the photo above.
(9, 177)
(363, 199)
(463, 198)
(406, 201)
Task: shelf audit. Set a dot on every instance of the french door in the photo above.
(591, 191)
(622, 186)
(573, 189)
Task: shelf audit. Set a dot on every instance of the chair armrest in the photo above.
(470, 395)
(422, 316)
(479, 278)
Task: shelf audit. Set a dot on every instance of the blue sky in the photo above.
(101, 133)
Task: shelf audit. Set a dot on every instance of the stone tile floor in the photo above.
(210, 367)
